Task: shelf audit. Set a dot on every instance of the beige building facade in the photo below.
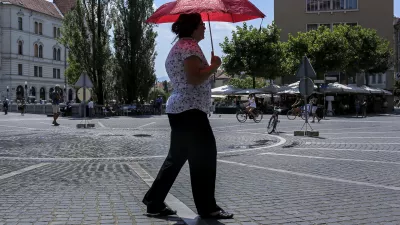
(293, 16)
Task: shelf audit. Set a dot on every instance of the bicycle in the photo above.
(293, 113)
(242, 115)
(274, 120)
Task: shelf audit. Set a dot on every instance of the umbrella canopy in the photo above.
(211, 10)
(224, 90)
(272, 89)
(249, 91)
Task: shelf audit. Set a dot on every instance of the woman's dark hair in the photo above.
(186, 25)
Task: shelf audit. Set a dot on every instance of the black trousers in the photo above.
(192, 139)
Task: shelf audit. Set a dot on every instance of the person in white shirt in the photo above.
(91, 106)
(252, 104)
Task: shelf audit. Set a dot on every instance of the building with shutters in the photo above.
(32, 61)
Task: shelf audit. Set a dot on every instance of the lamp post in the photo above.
(7, 92)
(26, 89)
(65, 93)
(65, 69)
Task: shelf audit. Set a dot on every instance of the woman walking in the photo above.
(192, 138)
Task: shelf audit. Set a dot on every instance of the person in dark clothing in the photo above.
(5, 106)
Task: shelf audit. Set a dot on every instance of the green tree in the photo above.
(246, 83)
(257, 52)
(165, 86)
(135, 48)
(367, 52)
(325, 49)
(85, 32)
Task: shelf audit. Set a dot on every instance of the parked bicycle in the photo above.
(242, 115)
(273, 122)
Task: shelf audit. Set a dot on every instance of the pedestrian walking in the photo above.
(357, 106)
(192, 137)
(55, 97)
(5, 106)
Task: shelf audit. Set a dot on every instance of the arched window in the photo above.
(59, 55)
(20, 52)
(51, 92)
(42, 93)
(36, 50)
(54, 54)
(40, 51)
(20, 92)
(33, 92)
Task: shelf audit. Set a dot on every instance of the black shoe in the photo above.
(56, 124)
(165, 212)
(53, 122)
(219, 216)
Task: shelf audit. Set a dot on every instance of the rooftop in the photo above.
(41, 6)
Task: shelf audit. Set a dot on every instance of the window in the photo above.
(54, 32)
(54, 54)
(40, 29)
(36, 27)
(338, 4)
(40, 51)
(40, 71)
(56, 73)
(20, 52)
(326, 25)
(351, 4)
(19, 23)
(58, 32)
(312, 5)
(311, 27)
(20, 69)
(352, 24)
(35, 71)
(324, 5)
(59, 55)
(380, 78)
(373, 79)
(36, 49)
(329, 5)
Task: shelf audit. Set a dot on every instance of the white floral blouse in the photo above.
(186, 96)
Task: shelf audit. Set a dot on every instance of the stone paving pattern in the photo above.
(99, 189)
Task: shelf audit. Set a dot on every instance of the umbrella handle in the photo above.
(212, 43)
(209, 27)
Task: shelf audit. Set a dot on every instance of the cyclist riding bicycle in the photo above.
(298, 104)
(252, 105)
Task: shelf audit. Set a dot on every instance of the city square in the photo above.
(65, 175)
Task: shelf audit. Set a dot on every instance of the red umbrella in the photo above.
(210, 10)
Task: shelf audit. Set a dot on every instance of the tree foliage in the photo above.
(134, 43)
(85, 32)
(257, 52)
(246, 83)
(350, 49)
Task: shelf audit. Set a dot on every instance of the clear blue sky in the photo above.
(220, 30)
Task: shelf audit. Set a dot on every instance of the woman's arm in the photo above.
(195, 72)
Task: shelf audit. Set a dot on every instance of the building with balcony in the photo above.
(32, 60)
(293, 16)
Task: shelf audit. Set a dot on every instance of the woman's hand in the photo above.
(215, 60)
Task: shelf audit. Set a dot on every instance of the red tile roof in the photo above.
(65, 5)
(41, 6)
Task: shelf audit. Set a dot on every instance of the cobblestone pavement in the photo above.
(65, 175)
